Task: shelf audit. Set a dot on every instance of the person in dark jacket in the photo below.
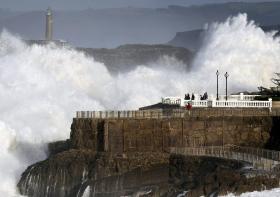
(193, 97)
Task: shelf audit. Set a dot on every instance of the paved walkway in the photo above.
(260, 158)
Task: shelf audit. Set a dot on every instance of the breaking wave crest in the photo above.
(242, 49)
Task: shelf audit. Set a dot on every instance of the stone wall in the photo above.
(276, 104)
(120, 136)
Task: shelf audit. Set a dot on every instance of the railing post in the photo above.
(270, 104)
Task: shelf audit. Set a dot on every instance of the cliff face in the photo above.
(118, 157)
(274, 140)
(193, 40)
(76, 171)
(57, 176)
(188, 39)
(206, 176)
(127, 57)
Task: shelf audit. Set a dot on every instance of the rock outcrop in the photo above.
(274, 140)
(122, 157)
(127, 57)
(203, 176)
(194, 39)
(71, 173)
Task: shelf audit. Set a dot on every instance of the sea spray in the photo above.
(242, 49)
(41, 87)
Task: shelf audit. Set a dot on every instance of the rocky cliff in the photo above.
(120, 157)
(78, 171)
(193, 39)
(127, 57)
(206, 176)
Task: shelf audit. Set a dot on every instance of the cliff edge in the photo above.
(131, 157)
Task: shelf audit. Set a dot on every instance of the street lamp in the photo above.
(217, 73)
(226, 76)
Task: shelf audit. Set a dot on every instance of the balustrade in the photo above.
(175, 113)
(244, 104)
(260, 158)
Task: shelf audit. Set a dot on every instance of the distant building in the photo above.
(45, 42)
(48, 33)
(49, 25)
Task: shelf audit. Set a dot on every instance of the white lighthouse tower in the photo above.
(49, 25)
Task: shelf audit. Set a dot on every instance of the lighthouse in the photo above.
(48, 33)
(49, 25)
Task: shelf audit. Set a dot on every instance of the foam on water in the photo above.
(266, 193)
(41, 87)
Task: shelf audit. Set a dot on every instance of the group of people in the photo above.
(204, 97)
(187, 96)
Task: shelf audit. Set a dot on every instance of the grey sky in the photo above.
(84, 4)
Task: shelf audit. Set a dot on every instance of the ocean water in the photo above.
(266, 193)
(41, 87)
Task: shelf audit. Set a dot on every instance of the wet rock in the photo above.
(69, 173)
(58, 147)
(122, 157)
(127, 57)
(205, 176)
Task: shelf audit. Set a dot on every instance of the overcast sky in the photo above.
(84, 4)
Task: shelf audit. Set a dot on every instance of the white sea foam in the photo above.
(242, 49)
(41, 87)
(266, 193)
(86, 192)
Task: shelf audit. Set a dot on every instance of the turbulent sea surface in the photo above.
(270, 193)
(41, 87)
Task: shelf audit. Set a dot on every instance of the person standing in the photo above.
(189, 107)
(193, 97)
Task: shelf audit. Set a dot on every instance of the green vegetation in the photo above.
(273, 92)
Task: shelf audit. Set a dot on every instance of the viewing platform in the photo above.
(178, 113)
(175, 107)
(232, 101)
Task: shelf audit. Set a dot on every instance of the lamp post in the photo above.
(217, 73)
(226, 76)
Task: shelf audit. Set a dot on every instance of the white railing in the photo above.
(238, 97)
(260, 158)
(181, 113)
(238, 101)
(197, 103)
(176, 113)
(243, 104)
(121, 114)
(172, 100)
